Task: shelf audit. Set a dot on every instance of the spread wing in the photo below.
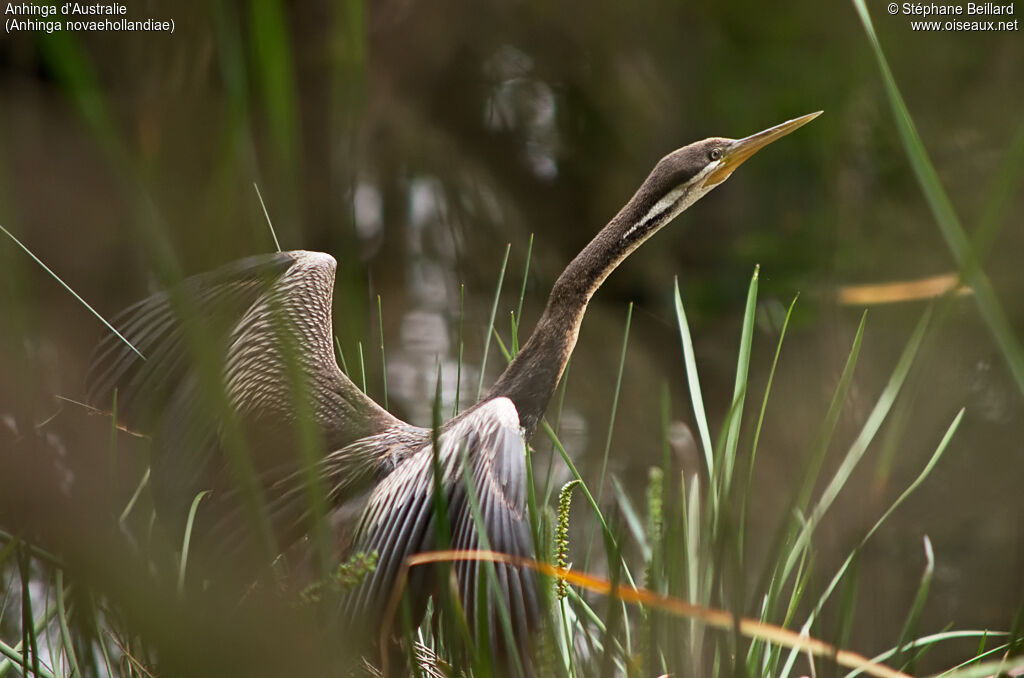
(487, 446)
(158, 327)
(251, 341)
(261, 313)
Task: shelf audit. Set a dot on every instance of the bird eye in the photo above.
(715, 153)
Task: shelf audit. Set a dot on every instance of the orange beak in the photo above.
(741, 149)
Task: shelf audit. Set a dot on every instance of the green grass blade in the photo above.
(522, 289)
(442, 531)
(12, 656)
(760, 416)
(362, 365)
(273, 71)
(740, 385)
(611, 425)
(615, 619)
(693, 381)
(29, 636)
(458, 373)
(383, 363)
(632, 518)
(846, 613)
(615, 402)
(945, 216)
(932, 640)
(490, 324)
(73, 293)
(559, 404)
(514, 327)
(981, 653)
(982, 644)
(997, 668)
(187, 539)
(270, 224)
(920, 598)
(15, 545)
(65, 631)
(988, 669)
(532, 510)
(135, 497)
(100, 641)
(568, 621)
(694, 560)
(341, 355)
(18, 659)
(823, 437)
(505, 352)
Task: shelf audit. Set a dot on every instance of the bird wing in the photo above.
(482, 462)
(157, 328)
(261, 313)
(252, 340)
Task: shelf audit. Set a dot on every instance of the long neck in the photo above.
(530, 379)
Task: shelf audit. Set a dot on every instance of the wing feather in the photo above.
(400, 520)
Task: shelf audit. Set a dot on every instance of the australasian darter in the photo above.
(241, 393)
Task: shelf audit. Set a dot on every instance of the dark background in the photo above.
(413, 140)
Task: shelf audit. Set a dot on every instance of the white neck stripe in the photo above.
(675, 201)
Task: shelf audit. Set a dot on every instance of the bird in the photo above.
(233, 375)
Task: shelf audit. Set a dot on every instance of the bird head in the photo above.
(685, 175)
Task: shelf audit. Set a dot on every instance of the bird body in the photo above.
(241, 393)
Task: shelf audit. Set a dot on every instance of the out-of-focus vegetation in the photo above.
(413, 141)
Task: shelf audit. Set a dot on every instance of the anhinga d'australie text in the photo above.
(269, 320)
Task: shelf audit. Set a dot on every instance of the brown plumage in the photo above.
(241, 394)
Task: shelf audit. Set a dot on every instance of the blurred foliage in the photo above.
(414, 140)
